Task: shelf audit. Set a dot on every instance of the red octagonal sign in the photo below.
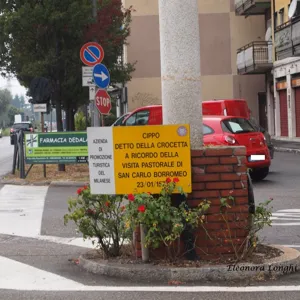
(103, 102)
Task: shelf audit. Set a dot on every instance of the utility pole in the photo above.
(180, 66)
(93, 109)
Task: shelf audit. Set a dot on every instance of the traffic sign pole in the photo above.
(95, 74)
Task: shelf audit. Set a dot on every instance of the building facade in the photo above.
(283, 75)
(222, 32)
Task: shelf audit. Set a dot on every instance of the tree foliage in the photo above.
(43, 39)
(5, 100)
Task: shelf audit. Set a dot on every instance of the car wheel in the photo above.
(259, 174)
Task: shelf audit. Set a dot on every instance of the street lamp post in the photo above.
(180, 65)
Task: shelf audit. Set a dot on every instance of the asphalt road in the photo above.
(6, 155)
(54, 256)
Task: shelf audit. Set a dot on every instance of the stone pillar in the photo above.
(180, 65)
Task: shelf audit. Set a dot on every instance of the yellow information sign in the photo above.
(145, 156)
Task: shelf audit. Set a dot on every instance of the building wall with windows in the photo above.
(222, 32)
(286, 72)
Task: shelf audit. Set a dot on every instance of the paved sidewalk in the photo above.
(286, 146)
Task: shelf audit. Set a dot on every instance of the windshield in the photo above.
(22, 125)
(237, 125)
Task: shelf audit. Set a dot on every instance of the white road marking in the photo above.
(292, 215)
(21, 209)
(18, 276)
(291, 246)
(285, 224)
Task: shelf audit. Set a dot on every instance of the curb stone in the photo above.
(68, 183)
(45, 183)
(287, 150)
(144, 272)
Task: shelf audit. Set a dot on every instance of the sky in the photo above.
(13, 86)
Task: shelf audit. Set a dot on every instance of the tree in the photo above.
(12, 111)
(43, 39)
(5, 100)
(18, 102)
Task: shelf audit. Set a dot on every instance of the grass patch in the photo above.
(76, 172)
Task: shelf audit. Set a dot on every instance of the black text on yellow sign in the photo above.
(145, 156)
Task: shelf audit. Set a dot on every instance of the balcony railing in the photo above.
(287, 39)
(251, 7)
(255, 58)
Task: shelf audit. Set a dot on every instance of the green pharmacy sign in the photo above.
(56, 148)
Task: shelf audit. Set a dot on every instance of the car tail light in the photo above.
(264, 142)
(230, 139)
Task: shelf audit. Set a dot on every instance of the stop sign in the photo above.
(103, 102)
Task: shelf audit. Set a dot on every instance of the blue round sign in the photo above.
(101, 76)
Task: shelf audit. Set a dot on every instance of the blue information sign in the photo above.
(101, 76)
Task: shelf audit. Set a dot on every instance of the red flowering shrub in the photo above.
(164, 222)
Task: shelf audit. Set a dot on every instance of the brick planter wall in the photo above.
(218, 172)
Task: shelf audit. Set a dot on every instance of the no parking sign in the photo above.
(91, 54)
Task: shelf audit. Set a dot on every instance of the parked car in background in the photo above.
(120, 120)
(236, 131)
(0, 133)
(219, 130)
(25, 126)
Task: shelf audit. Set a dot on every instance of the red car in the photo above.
(235, 131)
(218, 130)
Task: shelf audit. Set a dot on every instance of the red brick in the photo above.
(241, 184)
(205, 161)
(201, 251)
(240, 169)
(236, 242)
(242, 159)
(138, 253)
(215, 226)
(240, 151)
(201, 234)
(241, 200)
(214, 209)
(219, 151)
(206, 177)
(219, 185)
(223, 234)
(219, 169)
(228, 160)
(221, 250)
(241, 216)
(238, 225)
(239, 209)
(220, 218)
(198, 186)
(241, 233)
(244, 177)
(206, 194)
(237, 192)
(196, 202)
(230, 177)
(197, 153)
(207, 243)
(198, 170)
(215, 202)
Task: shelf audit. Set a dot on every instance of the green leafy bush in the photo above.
(100, 217)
